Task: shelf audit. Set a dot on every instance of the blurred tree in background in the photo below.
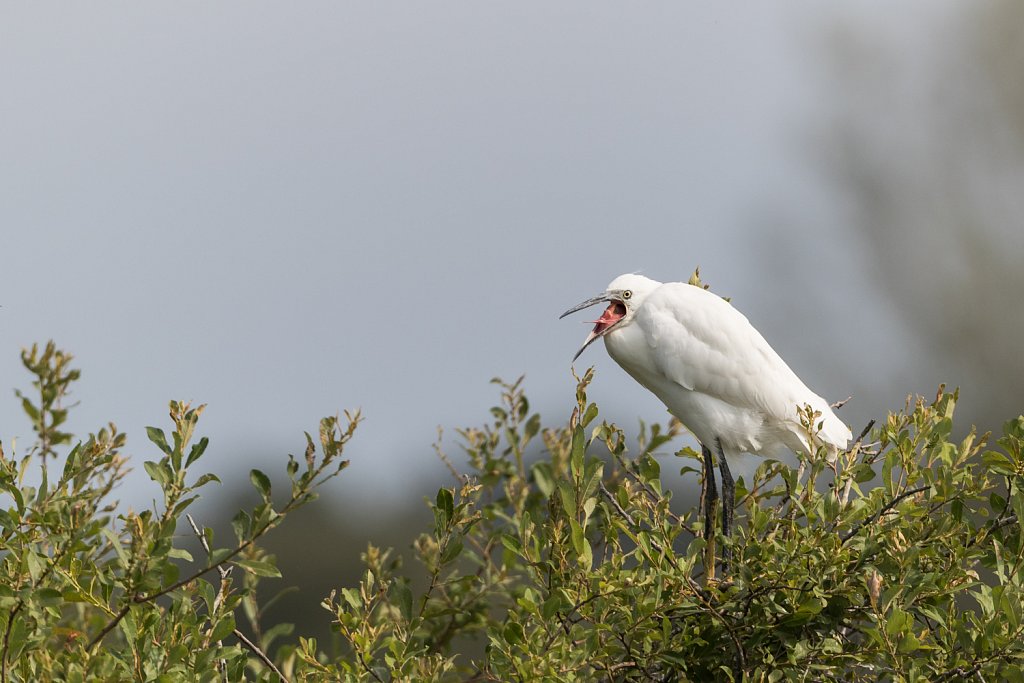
(927, 149)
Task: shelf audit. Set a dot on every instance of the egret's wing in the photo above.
(704, 344)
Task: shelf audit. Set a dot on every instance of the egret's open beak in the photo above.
(600, 298)
(614, 313)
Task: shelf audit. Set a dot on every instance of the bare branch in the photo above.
(254, 648)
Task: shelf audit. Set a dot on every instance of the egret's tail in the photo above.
(834, 434)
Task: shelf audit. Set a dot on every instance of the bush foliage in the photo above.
(901, 560)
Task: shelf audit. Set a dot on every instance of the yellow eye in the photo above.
(626, 295)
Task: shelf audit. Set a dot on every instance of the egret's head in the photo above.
(624, 295)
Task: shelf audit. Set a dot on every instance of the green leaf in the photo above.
(156, 472)
(261, 482)
(444, 510)
(568, 496)
(531, 427)
(908, 643)
(224, 627)
(351, 596)
(258, 567)
(898, 622)
(180, 554)
(206, 479)
(544, 478)
(451, 550)
(578, 446)
(588, 509)
(513, 632)
(581, 545)
(241, 524)
(578, 539)
(48, 596)
(863, 472)
(650, 469)
(115, 542)
(197, 451)
(219, 555)
(511, 543)
(403, 594)
(156, 435)
(555, 602)
(30, 409)
(74, 596)
(997, 462)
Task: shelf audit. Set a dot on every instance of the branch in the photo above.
(997, 525)
(298, 498)
(741, 657)
(962, 672)
(625, 515)
(653, 496)
(254, 648)
(885, 510)
(864, 432)
(225, 572)
(110, 626)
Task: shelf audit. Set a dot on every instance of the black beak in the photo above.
(600, 298)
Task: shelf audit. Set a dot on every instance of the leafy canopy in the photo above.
(901, 560)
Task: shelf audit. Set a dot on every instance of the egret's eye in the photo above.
(627, 295)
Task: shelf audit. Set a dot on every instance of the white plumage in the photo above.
(713, 370)
(710, 368)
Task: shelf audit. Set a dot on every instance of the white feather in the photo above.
(713, 370)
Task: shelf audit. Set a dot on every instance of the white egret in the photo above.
(713, 371)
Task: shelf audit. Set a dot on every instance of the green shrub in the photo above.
(900, 561)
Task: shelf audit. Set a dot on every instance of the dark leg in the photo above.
(708, 494)
(728, 504)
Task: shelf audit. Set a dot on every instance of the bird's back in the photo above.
(717, 374)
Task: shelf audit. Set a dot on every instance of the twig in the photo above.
(839, 404)
(653, 496)
(615, 504)
(297, 499)
(741, 657)
(885, 510)
(225, 585)
(225, 574)
(252, 647)
(864, 432)
(445, 459)
(629, 518)
(996, 526)
(7, 639)
(844, 497)
(110, 625)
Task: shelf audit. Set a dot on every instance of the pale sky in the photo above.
(287, 209)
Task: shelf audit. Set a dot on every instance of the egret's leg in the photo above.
(709, 503)
(708, 494)
(728, 504)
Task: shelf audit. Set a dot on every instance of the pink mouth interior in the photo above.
(613, 314)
